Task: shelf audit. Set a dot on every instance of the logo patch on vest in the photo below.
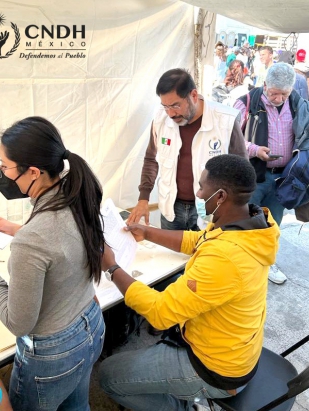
(215, 145)
(166, 141)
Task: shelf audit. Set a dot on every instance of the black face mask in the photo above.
(10, 189)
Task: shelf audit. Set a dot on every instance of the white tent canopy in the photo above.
(284, 16)
(103, 99)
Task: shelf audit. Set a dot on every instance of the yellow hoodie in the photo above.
(221, 297)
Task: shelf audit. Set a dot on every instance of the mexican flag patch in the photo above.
(166, 141)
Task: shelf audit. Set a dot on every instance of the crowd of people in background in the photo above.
(239, 69)
(245, 76)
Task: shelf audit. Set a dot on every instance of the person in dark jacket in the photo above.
(270, 137)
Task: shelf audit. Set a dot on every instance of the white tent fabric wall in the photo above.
(102, 104)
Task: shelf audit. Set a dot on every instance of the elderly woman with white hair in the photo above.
(274, 111)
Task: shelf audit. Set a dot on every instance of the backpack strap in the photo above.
(293, 102)
(243, 127)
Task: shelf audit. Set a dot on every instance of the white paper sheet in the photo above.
(5, 239)
(122, 242)
(153, 262)
(7, 338)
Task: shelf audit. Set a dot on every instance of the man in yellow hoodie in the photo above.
(219, 302)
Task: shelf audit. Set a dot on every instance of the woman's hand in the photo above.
(7, 227)
(108, 258)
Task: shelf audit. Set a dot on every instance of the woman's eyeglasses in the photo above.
(4, 168)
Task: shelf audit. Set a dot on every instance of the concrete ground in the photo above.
(288, 304)
(287, 315)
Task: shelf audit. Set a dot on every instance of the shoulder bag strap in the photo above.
(243, 127)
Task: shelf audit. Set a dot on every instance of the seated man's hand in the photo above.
(141, 210)
(7, 227)
(138, 231)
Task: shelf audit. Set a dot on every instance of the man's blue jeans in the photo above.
(158, 378)
(185, 218)
(264, 196)
(53, 372)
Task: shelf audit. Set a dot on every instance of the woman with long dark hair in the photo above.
(50, 302)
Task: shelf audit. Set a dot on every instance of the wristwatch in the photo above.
(109, 272)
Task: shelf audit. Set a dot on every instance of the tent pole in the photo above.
(198, 40)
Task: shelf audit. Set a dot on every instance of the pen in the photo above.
(0, 395)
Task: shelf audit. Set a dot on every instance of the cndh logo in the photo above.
(5, 35)
(215, 143)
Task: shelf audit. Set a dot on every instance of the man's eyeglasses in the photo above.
(175, 106)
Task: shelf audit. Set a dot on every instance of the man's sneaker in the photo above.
(199, 407)
(275, 275)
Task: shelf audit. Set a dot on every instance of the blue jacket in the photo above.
(301, 125)
(292, 188)
(301, 86)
